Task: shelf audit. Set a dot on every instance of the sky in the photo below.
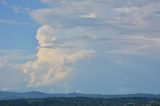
(81, 46)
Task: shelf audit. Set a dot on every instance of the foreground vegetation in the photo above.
(82, 101)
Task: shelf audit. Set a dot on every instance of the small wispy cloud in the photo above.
(8, 22)
(3, 2)
(12, 22)
(139, 45)
(13, 56)
(92, 15)
(18, 10)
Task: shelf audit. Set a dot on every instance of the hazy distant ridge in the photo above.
(17, 95)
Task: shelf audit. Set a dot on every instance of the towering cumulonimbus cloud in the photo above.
(53, 63)
(71, 30)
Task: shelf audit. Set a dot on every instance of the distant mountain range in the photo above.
(5, 95)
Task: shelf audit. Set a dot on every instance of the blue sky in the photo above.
(87, 46)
